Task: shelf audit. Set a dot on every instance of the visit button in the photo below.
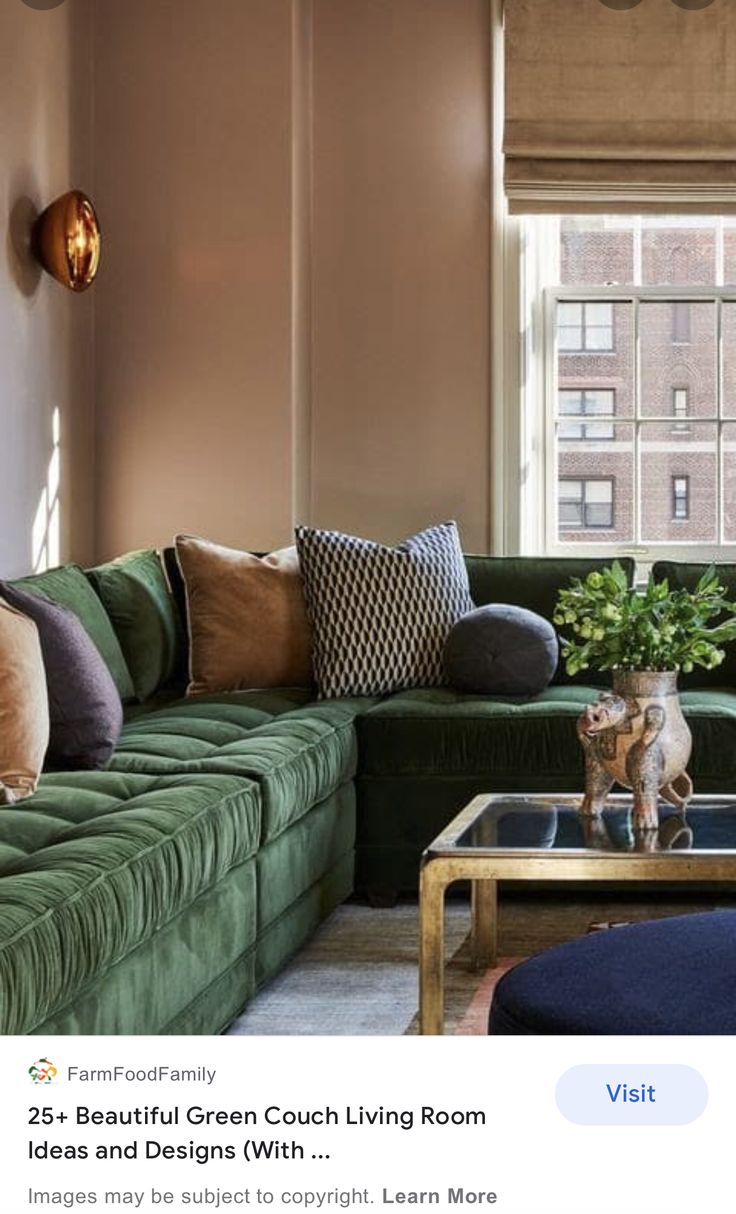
(627, 1094)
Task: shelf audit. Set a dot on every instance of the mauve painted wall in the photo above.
(293, 323)
(400, 406)
(193, 319)
(45, 331)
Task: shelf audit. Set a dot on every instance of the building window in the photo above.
(680, 409)
(585, 504)
(585, 403)
(681, 323)
(680, 497)
(585, 328)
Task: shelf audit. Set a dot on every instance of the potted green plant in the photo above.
(637, 736)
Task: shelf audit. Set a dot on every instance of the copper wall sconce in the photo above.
(66, 241)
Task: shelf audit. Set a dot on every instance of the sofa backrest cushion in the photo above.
(24, 705)
(684, 575)
(86, 715)
(69, 586)
(136, 596)
(534, 583)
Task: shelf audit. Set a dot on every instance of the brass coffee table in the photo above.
(544, 838)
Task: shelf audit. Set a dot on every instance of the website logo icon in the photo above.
(43, 1071)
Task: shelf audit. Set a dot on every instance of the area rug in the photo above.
(475, 1021)
(468, 995)
(358, 976)
(358, 973)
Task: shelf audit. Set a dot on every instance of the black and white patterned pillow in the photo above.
(381, 615)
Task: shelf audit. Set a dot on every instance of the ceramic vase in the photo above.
(637, 736)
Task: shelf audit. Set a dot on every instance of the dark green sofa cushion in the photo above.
(439, 733)
(263, 704)
(711, 715)
(532, 582)
(683, 575)
(95, 863)
(297, 759)
(512, 742)
(424, 754)
(69, 586)
(136, 597)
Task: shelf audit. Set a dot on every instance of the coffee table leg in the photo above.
(484, 931)
(432, 887)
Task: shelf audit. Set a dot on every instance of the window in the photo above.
(620, 357)
(585, 327)
(680, 497)
(681, 323)
(652, 419)
(680, 409)
(586, 504)
(582, 402)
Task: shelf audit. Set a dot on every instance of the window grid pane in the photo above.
(586, 402)
(586, 504)
(680, 497)
(686, 428)
(584, 326)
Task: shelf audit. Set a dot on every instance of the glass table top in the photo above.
(506, 823)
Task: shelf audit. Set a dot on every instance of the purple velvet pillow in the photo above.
(84, 705)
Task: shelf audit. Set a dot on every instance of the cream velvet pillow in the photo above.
(24, 705)
(246, 616)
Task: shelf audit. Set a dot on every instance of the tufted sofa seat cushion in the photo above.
(443, 733)
(711, 714)
(262, 705)
(96, 863)
(424, 753)
(297, 758)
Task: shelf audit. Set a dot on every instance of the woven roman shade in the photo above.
(620, 110)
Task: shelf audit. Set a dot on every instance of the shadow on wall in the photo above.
(25, 271)
(42, 4)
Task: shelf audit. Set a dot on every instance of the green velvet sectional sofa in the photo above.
(157, 895)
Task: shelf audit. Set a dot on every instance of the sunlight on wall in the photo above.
(45, 535)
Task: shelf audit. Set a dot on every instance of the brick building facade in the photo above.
(678, 368)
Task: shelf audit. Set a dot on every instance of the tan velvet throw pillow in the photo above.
(24, 705)
(246, 616)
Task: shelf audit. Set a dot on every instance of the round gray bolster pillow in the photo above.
(502, 650)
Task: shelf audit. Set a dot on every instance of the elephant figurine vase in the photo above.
(636, 736)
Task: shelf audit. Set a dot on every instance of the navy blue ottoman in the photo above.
(673, 976)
